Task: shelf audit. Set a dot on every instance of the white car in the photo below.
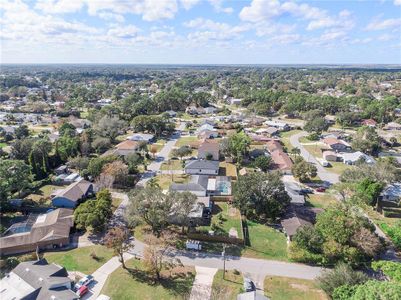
(86, 280)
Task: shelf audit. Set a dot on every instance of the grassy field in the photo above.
(165, 180)
(42, 195)
(79, 259)
(225, 217)
(227, 288)
(173, 165)
(283, 288)
(2, 144)
(265, 242)
(285, 138)
(185, 141)
(135, 283)
(320, 200)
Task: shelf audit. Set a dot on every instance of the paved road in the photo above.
(323, 173)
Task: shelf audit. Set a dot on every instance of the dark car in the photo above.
(305, 191)
(249, 286)
(321, 189)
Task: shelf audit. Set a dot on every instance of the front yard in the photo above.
(136, 283)
(285, 138)
(320, 200)
(283, 288)
(80, 259)
(227, 288)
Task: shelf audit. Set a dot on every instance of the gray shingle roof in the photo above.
(203, 164)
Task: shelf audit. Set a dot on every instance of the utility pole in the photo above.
(224, 260)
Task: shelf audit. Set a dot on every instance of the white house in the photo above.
(202, 167)
(352, 158)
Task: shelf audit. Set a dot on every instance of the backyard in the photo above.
(165, 181)
(136, 283)
(224, 218)
(265, 242)
(80, 259)
(320, 200)
(283, 288)
(172, 164)
(42, 195)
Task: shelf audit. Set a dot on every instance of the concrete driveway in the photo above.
(202, 287)
(323, 173)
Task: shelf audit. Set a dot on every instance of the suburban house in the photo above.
(330, 156)
(141, 137)
(208, 134)
(45, 231)
(202, 167)
(279, 125)
(193, 110)
(197, 186)
(126, 147)
(281, 160)
(292, 190)
(297, 216)
(209, 149)
(369, 123)
(210, 110)
(73, 193)
(336, 144)
(392, 126)
(352, 158)
(37, 280)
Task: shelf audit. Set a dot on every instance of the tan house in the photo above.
(336, 144)
(209, 149)
(330, 156)
(126, 147)
(281, 160)
(45, 231)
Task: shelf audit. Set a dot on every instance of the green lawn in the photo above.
(80, 259)
(166, 180)
(283, 288)
(315, 150)
(320, 200)
(2, 144)
(135, 283)
(172, 165)
(224, 217)
(338, 167)
(185, 141)
(265, 242)
(227, 288)
(159, 144)
(285, 138)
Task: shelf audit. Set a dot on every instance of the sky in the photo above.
(201, 31)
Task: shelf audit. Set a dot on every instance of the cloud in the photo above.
(60, 6)
(111, 17)
(188, 4)
(150, 10)
(397, 2)
(260, 10)
(218, 6)
(384, 24)
(124, 32)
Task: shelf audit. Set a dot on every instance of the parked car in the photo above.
(321, 189)
(249, 286)
(84, 281)
(82, 291)
(305, 191)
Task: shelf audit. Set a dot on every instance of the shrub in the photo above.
(344, 292)
(342, 274)
(390, 268)
(394, 232)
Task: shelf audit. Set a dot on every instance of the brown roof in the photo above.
(47, 227)
(369, 122)
(127, 145)
(280, 159)
(332, 141)
(209, 146)
(297, 216)
(75, 190)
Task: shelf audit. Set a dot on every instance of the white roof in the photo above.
(211, 184)
(13, 287)
(353, 157)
